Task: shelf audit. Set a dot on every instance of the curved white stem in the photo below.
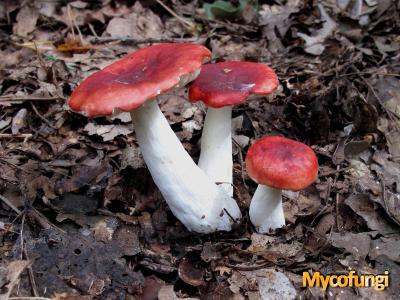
(216, 147)
(192, 196)
(266, 211)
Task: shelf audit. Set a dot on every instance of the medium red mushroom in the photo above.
(276, 164)
(132, 84)
(221, 86)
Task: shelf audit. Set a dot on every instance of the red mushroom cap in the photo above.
(282, 163)
(231, 83)
(136, 78)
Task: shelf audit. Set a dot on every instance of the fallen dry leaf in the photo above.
(189, 273)
(19, 121)
(5, 122)
(386, 169)
(315, 44)
(10, 276)
(300, 207)
(167, 293)
(141, 23)
(108, 132)
(277, 18)
(131, 156)
(26, 20)
(362, 205)
(272, 284)
(358, 244)
(363, 177)
(388, 246)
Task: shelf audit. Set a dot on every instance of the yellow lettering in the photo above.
(311, 282)
(352, 279)
(333, 280)
(386, 278)
(325, 281)
(369, 280)
(382, 281)
(343, 281)
(379, 286)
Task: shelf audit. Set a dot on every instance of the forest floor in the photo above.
(80, 217)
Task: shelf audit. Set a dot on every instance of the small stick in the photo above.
(25, 136)
(145, 41)
(42, 220)
(70, 20)
(7, 98)
(189, 25)
(388, 112)
(249, 268)
(369, 73)
(40, 116)
(12, 206)
(31, 276)
(14, 165)
(241, 161)
(230, 216)
(93, 31)
(29, 298)
(384, 199)
(334, 172)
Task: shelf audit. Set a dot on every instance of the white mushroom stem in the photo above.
(266, 211)
(216, 147)
(192, 196)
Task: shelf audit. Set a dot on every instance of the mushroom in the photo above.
(221, 86)
(277, 163)
(132, 84)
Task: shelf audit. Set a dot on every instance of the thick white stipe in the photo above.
(266, 211)
(191, 195)
(216, 147)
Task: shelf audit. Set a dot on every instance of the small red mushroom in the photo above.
(132, 84)
(276, 164)
(221, 86)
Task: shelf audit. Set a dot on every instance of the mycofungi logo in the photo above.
(378, 282)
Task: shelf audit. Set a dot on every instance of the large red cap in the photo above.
(282, 163)
(136, 78)
(231, 83)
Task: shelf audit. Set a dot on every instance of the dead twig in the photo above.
(92, 30)
(9, 204)
(189, 25)
(71, 25)
(384, 199)
(241, 161)
(21, 235)
(41, 117)
(388, 112)
(249, 268)
(334, 172)
(230, 216)
(9, 98)
(369, 73)
(337, 200)
(29, 298)
(232, 27)
(42, 220)
(14, 165)
(149, 40)
(31, 276)
(24, 136)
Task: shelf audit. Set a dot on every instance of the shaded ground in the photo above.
(92, 223)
